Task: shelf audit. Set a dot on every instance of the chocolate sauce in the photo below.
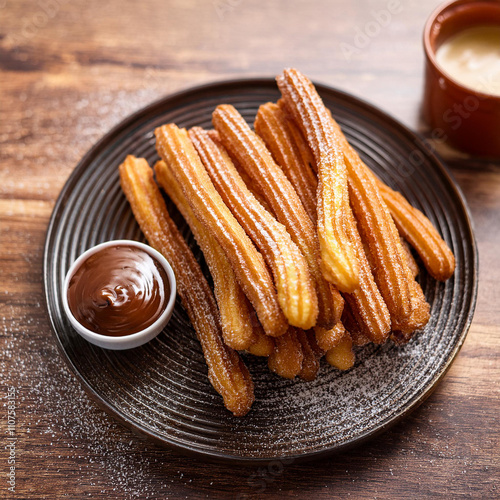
(118, 291)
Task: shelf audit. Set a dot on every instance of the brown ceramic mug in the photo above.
(466, 118)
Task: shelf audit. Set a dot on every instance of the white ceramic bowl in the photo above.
(134, 339)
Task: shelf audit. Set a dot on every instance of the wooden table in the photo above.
(72, 70)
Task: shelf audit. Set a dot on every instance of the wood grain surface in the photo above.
(70, 70)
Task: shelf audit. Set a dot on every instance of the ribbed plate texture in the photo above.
(161, 389)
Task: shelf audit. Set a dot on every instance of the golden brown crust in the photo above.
(236, 313)
(339, 263)
(377, 231)
(274, 128)
(310, 361)
(410, 260)
(226, 371)
(264, 344)
(287, 356)
(252, 155)
(176, 149)
(327, 339)
(418, 230)
(294, 284)
(342, 355)
(366, 302)
(420, 314)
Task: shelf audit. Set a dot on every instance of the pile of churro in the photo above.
(308, 250)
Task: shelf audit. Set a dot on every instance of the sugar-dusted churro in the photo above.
(264, 344)
(226, 371)
(327, 339)
(286, 359)
(294, 284)
(236, 313)
(310, 360)
(417, 229)
(410, 260)
(342, 356)
(403, 330)
(176, 149)
(377, 230)
(366, 302)
(252, 155)
(299, 139)
(274, 128)
(339, 262)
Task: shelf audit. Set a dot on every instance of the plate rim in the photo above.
(214, 455)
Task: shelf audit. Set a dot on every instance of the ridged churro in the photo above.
(274, 128)
(235, 311)
(176, 149)
(286, 359)
(339, 262)
(327, 339)
(416, 228)
(366, 302)
(310, 360)
(342, 356)
(420, 314)
(226, 371)
(377, 230)
(250, 152)
(294, 284)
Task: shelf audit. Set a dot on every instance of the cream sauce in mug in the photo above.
(472, 58)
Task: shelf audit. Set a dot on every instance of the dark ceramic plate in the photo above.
(161, 389)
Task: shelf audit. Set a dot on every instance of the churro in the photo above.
(327, 339)
(250, 152)
(175, 148)
(226, 371)
(377, 230)
(294, 284)
(339, 262)
(417, 229)
(310, 360)
(273, 127)
(366, 302)
(342, 356)
(235, 310)
(287, 356)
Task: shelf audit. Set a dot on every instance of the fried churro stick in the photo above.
(299, 139)
(352, 326)
(294, 284)
(342, 356)
(252, 155)
(377, 230)
(286, 359)
(420, 314)
(327, 339)
(273, 127)
(176, 149)
(418, 230)
(310, 361)
(410, 260)
(235, 310)
(226, 371)
(366, 302)
(339, 262)
(263, 345)
(214, 135)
